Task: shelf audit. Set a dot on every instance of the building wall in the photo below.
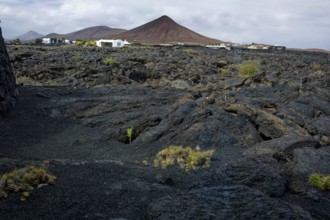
(110, 43)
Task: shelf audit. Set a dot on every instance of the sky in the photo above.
(292, 23)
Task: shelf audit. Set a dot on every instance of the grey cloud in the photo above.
(295, 23)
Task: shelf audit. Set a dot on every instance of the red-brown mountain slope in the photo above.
(162, 31)
(91, 33)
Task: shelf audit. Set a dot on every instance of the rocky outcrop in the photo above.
(8, 93)
(230, 202)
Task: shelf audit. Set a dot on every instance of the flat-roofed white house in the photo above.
(111, 43)
(46, 40)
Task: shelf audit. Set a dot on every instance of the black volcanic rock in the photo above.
(229, 202)
(8, 92)
(269, 132)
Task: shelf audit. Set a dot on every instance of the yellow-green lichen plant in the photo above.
(109, 60)
(186, 157)
(129, 132)
(223, 71)
(248, 68)
(319, 181)
(24, 180)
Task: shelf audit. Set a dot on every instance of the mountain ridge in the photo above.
(164, 30)
(28, 36)
(90, 33)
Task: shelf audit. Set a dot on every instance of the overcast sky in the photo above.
(294, 23)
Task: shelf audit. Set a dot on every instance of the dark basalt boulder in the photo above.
(261, 173)
(223, 202)
(8, 92)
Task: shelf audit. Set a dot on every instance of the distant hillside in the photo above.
(164, 30)
(311, 50)
(91, 33)
(31, 35)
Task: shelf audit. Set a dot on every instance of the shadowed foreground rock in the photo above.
(8, 93)
(230, 202)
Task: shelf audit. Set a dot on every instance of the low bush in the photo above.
(248, 68)
(90, 43)
(109, 61)
(26, 80)
(316, 67)
(80, 42)
(24, 180)
(223, 71)
(190, 51)
(319, 181)
(186, 157)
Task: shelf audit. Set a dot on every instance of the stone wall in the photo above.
(8, 91)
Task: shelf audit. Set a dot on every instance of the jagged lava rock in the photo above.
(8, 92)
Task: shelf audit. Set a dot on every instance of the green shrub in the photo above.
(26, 80)
(190, 51)
(77, 57)
(38, 41)
(248, 68)
(80, 42)
(109, 61)
(90, 43)
(319, 181)
(187, 158)
(129, 134)
(25, 179)
(316, 67)
(223, 71)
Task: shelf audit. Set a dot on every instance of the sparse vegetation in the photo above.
(17, 41)
(80, 42)
(129, 134)
(38, 41)
(26, 80)
(186, 157)
(90, 43)
(77, 57)
(319, 181)
(130, 46)
(316, 67)
(223, 71)
(190, 51)
(109, 60)
(24, 180)
(25, 195)
(248, 68)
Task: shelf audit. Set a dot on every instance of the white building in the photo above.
(49, 40)
(68, 41)
(252, 47)
(111, 43)
(46, 40)
(221, 46)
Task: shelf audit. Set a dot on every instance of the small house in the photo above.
(111, 43)
(53, 40)
(46, 40)
(68, 41)
(221, 46)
